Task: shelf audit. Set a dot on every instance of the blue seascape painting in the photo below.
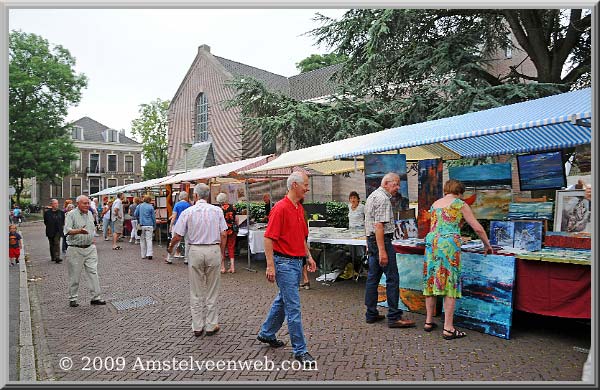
(502, 233)
(541, 171)
(377, 165)
(533, 210)
(410, 272)
(487, 294)
(528, 235)
(486, 175)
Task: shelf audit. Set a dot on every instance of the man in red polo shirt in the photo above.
(285, 248)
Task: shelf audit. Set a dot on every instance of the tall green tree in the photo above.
(407, 66)
(318, 61)
(151, 126)
(42, 85)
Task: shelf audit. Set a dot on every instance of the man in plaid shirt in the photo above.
(379, 226)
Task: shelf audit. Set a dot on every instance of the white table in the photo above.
(256, 241)
(336, 241)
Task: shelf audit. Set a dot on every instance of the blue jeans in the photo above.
(105, 224)
(286, 305)
(391, 277)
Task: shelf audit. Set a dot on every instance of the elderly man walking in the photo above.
(117, 218)
(183, 204)
(285, 250)
(81, 252)
(379, 226)
(205, 230)
(54, 219)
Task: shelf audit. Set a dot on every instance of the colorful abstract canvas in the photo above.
(531, 210)
(489, 204)
(502, 233)
(430, 189)
(486, 303)
(486, 175)
(541, 171)
(528, 235)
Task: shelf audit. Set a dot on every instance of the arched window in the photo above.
(202, 134)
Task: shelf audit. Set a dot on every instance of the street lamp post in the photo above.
(186, 147)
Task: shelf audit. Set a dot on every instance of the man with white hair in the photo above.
(81, 252)
(285, 249)
(177, 210)
(380, 226)
(204, 228)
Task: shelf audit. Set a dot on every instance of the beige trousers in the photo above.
(77, 260)
(204, 264)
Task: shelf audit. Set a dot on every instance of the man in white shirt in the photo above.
(117, 218)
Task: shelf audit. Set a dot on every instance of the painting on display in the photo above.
(486, 175)
(535, 210)
(528, 235)
(489, 204)
(431, 188)
(377, 166)
(502, 233)
(572, 212)
(406, 228)
(486, 303)
(410, 272)
(541, 171)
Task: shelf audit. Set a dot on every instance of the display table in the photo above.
(335, 236)
(256, 241)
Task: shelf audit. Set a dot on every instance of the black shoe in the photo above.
(73, 303)
(149, 257)
(273, 343)
(98, 302)
(380, 317)
(58, 261)
(306, 359)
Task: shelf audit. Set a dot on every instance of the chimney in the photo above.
(204, 47)
(122, 132)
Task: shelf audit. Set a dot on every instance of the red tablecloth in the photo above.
(553, 289)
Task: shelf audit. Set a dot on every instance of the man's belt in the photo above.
(288, 256)
(385, 236)
(80, 246)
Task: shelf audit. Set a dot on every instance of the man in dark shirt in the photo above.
(54, 219)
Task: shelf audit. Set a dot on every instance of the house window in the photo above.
(75, 188)
(94, 185)
(202, 118)
(77, 133)
(128, 163)
(112, 136)
(128, 181)
(111, 163)
(56, 190)
(111, 183)
(94, 163)
(76, 164)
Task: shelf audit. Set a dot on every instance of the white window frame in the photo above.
(109, 132)
(112, 178)
(128, 181)
(116, 165)
(71, 186)
(132, 163)
(61, 189)
(78, 159)
(90, 161)
(78, 133)
(201, 101)
(90, 184)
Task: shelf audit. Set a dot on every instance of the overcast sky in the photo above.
(135, 56)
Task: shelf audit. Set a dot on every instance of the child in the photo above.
(15, 244)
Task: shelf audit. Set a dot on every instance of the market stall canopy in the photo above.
(109, 191)
(222, 170)
(145, 184)
(552, 122)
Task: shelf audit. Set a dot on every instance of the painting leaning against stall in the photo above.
(431, 188)
(528, 235)
(410, 272)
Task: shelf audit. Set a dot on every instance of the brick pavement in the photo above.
(346, 348)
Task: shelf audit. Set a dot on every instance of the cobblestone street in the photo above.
(346, 348)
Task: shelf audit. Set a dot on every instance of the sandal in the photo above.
(454, 334)
(429, 326)
(223, 270)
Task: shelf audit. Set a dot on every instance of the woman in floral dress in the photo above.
(441, 270)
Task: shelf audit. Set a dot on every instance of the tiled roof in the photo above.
(272, 81)
(303, 86)
(92, 131)
(313, 84)
(200, 155)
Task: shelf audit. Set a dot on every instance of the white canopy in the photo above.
(145, 184)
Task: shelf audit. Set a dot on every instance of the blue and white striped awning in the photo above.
(540, 124)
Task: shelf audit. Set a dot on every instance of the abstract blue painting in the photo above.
(377, 165)
(532, 210)
(541, 171)
(487, 294)
(528, 235)
(502, 233)
(482, 175)
(410, 271)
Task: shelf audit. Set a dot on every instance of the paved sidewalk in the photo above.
(346, 348)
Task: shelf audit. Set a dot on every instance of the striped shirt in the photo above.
(201, 224)
(378, 208)
(74, 220)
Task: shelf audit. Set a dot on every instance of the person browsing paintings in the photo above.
(442, 269)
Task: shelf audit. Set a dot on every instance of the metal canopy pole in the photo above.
(249, 267)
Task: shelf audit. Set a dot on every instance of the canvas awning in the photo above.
(145, 184)
(109, 191)
(218, 170)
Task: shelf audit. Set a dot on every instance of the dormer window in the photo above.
(112, 135)
(77, 133)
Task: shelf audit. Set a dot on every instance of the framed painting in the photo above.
(502, 233)
(573, 213)
(489, 204)
(541, 171)
(430, 190)
(528, 235)
(377, 165)
(486, 175)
